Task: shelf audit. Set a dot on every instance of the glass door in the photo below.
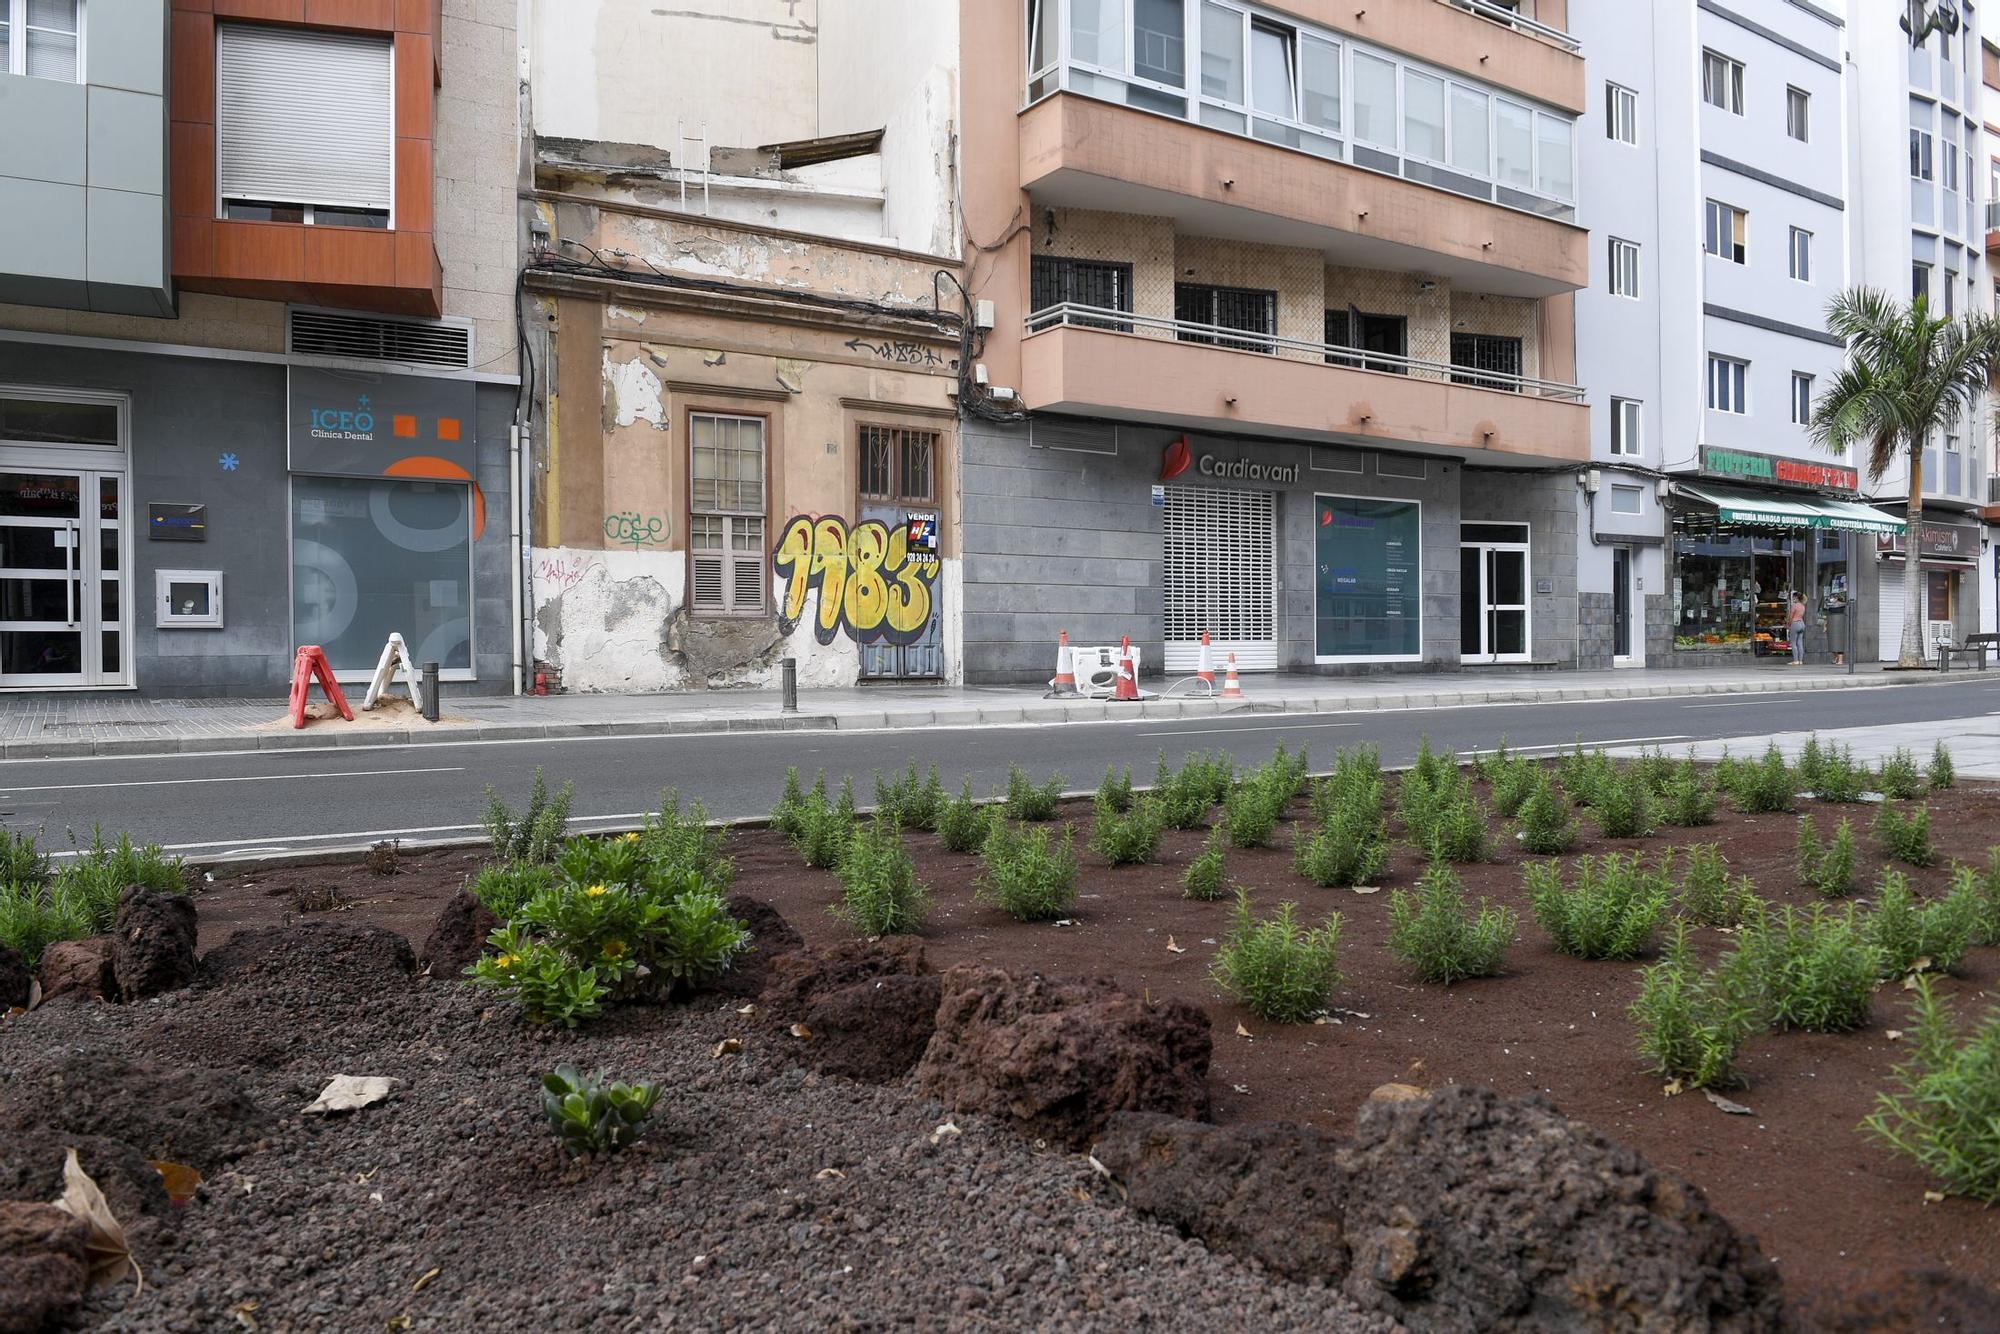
(1621, 604)
(63, 602)
(1493, 593)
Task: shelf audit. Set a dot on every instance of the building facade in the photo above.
(251, 396)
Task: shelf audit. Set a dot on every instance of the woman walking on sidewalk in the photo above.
(1797, 626)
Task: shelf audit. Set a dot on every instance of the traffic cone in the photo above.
(1231, 687)
(1127, 687)
(1064, 684)
(1204, 671)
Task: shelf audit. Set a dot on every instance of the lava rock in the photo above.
(181, 1113)
(31, 1168)
(344, 958)
(1266, 1192)
(458, 937)
(152, 944)
(771, 937)
(870, 1005)
(42, 1268)
(1466, 1210)
(1929, 1299)
(1057, 1058)
(15, 978)
(80, 969)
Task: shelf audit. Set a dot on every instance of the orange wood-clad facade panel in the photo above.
(391, 271)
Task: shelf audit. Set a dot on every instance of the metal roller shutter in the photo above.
(1889, 600)
(304, 117)
(1221, 576)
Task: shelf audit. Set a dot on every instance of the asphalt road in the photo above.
(216, 805)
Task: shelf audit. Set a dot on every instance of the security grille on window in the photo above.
(1726, 232)
(39, 38)
(1802, 392)
(726, 531)
(1486, 352)
(1624, 268)
(305, 123)
(1801, 260)
(1726, 386)
(1722, 82)
(1798, 114)
(898, 464)
(1621, 114)
(1625, 426)
(1244, 308)
(1056, 281)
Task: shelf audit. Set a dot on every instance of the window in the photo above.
(1626, 499)
(1097, 33)
(1950, 156)
(1042, 48)
(1726, 232)
(304, 126)
(1802, 390)
(1554, 157)
(1801, 254)
(1950, 293)
(1722, 82)
(1374, 100)
(1274, 74)
(1726, 378)
(1621, 114)
(1423, 116)
(1624, 268)
(1469, 120)
(1920, 155)
(1798, 114)
(1159, 41)
(1245, 308)
(372, 555)
(1514, 144)
(1625, 426)
(1376, 336)
(1487, 352)
(898, 464)
(1920, 282)
(726, 528)
(1319, 83)
(1100, 284)
(38, 38)
(1222, 54)
(187, 599)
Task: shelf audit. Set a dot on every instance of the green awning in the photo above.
(1764, 508)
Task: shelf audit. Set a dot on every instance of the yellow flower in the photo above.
(614, 949)
(631, 838)
(505, 961)
(595, 892)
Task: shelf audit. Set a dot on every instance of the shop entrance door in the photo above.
(1220, 575)
(64, 606)
(1621, 605)
(1493, 592)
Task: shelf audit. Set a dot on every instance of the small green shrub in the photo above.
(1250, 811)
(1624, 805)
(1182, 796)
(1429, 788)
(1912, 935)
(1986, 889)
(1029, 875)
(537, 834)
(1907, 838)
(963, 823)
(1458, 829)
(501, 890)
(1812, 759)
(1611, 910)
(21, 861)
(1434, 931)
(1687, 798)
(912, 802)
(1709, 895)
(1942, 773)
(31, 920)
(879, 891)
(552, 988)
(1348, 848)
(1813, 970)
(1582, 774)
(1691, 1021)
(1288, 773)
(1836, 777)
(1130, 838)
(1510, 782)
(590, 1116)
(1828, 868)
(1025, 801)
(1355, 786)
(1203, 878)
(1943, 1107)
(1897, 776)
(1654, 769)
(825, 826)
(1489, 764)
(1545, 824)
(787, 815)
(1116, 790)
(90, 883)
(676, 843)
(1766, 785)
(1279, 970)
(1213, 772)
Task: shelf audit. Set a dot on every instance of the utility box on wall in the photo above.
(187, 599)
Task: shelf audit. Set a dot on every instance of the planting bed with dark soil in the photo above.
(728, 1215)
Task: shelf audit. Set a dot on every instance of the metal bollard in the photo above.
(788, 674)
(430, 692)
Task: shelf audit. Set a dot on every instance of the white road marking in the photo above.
(1740, 704)
(1230, 731)
(1607, 741)
(243, 778)
(374, 835)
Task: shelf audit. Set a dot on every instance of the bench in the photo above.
(1976, 646)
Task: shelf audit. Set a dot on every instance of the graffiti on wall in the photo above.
(898, 351)
(635, 530)
(874, 583)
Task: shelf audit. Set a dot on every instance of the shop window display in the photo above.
(1732, 586)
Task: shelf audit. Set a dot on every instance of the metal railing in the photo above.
(1520, 23)
(1071, 315)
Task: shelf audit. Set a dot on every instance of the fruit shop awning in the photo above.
(1761, 508)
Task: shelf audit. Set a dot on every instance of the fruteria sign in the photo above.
(364, 424)
(1740, 465)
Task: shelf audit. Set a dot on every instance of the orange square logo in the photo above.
(447, 428)
(404, 427)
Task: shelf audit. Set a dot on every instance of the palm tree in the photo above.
(1908, 375)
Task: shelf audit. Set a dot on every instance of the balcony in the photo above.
(1519, 22)
(1102, 362)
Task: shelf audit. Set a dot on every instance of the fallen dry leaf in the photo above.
(1894, 1035)
(348, 1093)
(1241, 1088)
(1323, 1019)
(1172, 948)
(244, 1313)
(801, 1032)
(1725, 1104)
(179, 1179)
(1397, 1093)
(399, 1322)
(426, 1277)
(1365, 889)
(1672, 1088)
(1243, 1032)
(946, 1131)
(747, 1009)
(1933, 1197)
(728, 1047)
(829, 1174)
(105, 1253)
(34, 992)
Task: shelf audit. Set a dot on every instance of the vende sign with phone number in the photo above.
(1738, 465)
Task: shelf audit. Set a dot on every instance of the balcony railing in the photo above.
(1513, 19)
(1070, 315)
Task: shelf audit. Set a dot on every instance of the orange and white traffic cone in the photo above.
(1204, 671)
(1064, 683)
(1127, 687)
(1231, 687)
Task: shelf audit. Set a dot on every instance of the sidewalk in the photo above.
(43, 726)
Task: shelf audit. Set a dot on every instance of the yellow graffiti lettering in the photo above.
(867, 594)
(792, 559)
(910, 599)
(829, 572)
(871, 585)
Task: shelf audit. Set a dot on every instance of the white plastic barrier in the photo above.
(1096, 669)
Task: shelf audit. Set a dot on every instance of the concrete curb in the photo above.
(992, 715)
